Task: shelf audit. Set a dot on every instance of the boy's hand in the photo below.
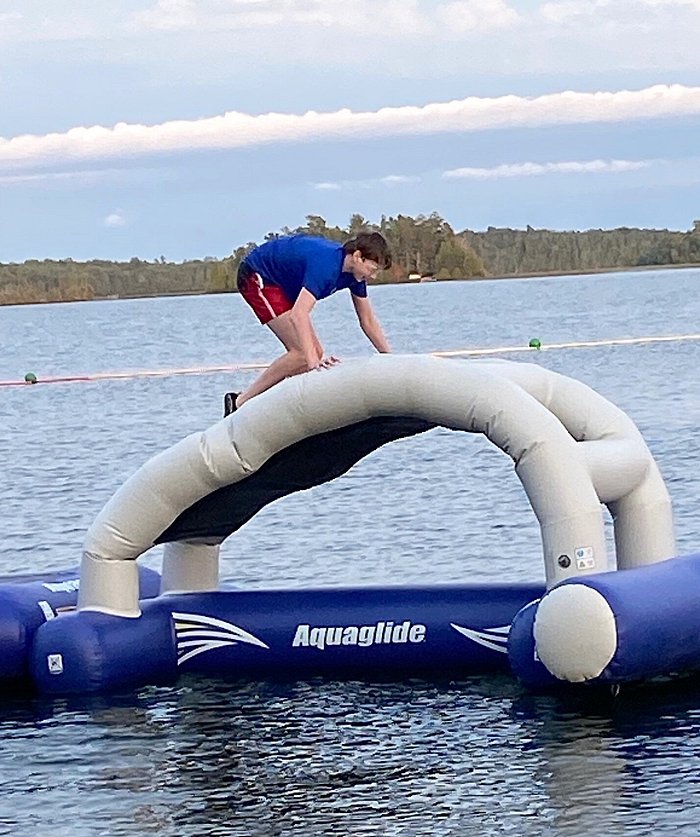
(327, 362)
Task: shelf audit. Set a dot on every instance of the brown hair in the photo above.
(372, 246)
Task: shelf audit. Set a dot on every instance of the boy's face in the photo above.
(363, 269)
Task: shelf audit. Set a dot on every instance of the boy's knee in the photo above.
(296, 361)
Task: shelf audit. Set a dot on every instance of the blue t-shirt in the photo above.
(302, 261)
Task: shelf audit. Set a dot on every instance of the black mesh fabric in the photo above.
(307, 463)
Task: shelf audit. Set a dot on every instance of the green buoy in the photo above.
(534, 343)
(30, 378)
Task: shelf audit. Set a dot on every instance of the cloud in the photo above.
(234, 130)
(562, 12)
(398, 179)
(86, 177)
(46, 177)
(115, 219)
(368, 183)
(390, 17)
(530, 169)
(168, 15)
(16, 27)
(476, 15)
(222, 15)
(627, 13)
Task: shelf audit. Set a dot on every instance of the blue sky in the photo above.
(183, 128)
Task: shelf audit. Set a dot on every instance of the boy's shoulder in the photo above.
(313, 243)
(301, 242)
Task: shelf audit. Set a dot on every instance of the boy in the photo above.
(284, 278)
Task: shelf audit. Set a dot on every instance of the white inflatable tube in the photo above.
(533, 415)
(624, 473)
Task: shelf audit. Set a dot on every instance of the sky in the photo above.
(185, 128)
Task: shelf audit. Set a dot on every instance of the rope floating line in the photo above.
(582, 344)
(534, 345)
(135, 373)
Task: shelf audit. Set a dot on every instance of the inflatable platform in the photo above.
(596, 618)
(28, 601)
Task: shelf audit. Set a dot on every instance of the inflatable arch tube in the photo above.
(624, 473)
(612, 627)
(27, 602)
(552, 466)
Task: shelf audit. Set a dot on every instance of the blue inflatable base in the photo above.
(28, 601)
(649, 626)
(439, 631)
(655, 628)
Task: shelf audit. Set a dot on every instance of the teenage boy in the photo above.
(284, 278)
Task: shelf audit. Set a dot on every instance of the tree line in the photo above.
(508, 252)
(424, 246)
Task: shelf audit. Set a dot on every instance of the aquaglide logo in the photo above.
(363, 636)
(198, 633)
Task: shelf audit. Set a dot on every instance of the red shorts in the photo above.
(267, 301)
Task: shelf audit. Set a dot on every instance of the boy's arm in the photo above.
(370, 324)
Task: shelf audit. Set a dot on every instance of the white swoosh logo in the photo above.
(197, 633)
(494, 638)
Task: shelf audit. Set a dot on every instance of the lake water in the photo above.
(479, 756)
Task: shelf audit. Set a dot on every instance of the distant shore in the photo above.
(505, 276)
(591, 271)
(425, 249)
(435, 280)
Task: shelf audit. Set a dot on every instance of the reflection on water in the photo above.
(479, 756)
(474, 757)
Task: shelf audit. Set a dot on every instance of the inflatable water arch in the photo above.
(573, 452)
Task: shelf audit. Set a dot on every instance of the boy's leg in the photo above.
(269, 303)
(292, 362)
(273, 309)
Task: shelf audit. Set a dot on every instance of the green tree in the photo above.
(458, 260)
